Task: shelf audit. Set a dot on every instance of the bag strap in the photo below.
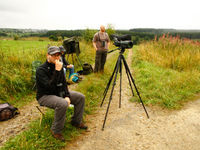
(99, 37)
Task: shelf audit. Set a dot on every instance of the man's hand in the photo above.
(69, 66)
(58, 65)
(68, 100)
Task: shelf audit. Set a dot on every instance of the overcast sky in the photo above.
(82, 14)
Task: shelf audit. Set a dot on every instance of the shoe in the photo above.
(79, 126)
(58, 136)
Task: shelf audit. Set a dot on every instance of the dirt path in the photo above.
(128, 128)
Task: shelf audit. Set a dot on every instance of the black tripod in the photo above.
(118, 68)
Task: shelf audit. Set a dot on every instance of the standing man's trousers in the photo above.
(100, 60)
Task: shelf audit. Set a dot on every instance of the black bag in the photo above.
(7, 111)
(87, 68)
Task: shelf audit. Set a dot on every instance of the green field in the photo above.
(168, 71)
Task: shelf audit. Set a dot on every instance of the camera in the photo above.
(123, 41)
(103, 43)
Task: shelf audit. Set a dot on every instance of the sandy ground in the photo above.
(128, 128)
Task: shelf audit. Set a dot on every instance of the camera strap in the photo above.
(99, 37)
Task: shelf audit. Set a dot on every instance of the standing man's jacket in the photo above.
(50, 81)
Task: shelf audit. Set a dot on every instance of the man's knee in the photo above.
(81, 99)
(62, 104)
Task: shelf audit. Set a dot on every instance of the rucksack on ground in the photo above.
(7, 111)
(87, 68)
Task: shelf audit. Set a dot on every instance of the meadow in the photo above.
(168, 71)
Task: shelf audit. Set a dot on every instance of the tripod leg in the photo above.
(120, 89)
(108, 85)
(128, 70)
(129, 82)
(73, 60)
(114, 83)
(79, 61)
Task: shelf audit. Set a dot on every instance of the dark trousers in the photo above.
(60, 106)
(100, 60)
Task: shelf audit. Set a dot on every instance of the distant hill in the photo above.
(161, 31)
(138, 34)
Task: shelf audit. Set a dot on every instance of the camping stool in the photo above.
(41, 113)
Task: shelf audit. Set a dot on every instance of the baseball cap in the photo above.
(62, 49)
(53, 50)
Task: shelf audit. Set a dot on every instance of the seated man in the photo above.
(66, 65)
(52, 92)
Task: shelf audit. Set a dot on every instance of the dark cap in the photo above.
(62, 49)
(53, 50)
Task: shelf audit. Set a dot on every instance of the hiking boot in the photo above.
(79, 126)
(58, 136)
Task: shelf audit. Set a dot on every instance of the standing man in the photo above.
(52, 92)
(101, 42)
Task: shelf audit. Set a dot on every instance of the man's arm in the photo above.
(94, 44)
(94, 41)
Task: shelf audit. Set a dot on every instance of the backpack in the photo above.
(7, 111)
(74, 78)
(87, 68)
(35, 65)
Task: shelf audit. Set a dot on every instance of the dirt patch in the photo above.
(128, 128)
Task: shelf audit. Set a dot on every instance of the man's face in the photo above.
(53, 58)
(102, 28)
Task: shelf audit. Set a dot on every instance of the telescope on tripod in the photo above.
(122, 42)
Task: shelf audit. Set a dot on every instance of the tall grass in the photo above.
(16, 59)
(167, 71)
(172, 52)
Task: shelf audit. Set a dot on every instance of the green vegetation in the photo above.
(16, 59)
(167, 71)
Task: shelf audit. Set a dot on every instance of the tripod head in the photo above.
(122, 42)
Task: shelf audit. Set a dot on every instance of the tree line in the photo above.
(138, 34)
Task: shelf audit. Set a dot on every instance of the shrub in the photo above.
(53, 38)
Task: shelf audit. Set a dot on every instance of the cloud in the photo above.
(9, 6)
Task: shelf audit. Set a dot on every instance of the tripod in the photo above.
(77, 58)
(118, 68)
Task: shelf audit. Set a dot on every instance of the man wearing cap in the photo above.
(52, 92)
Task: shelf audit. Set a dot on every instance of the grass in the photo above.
(16, 70)
(167, 71)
